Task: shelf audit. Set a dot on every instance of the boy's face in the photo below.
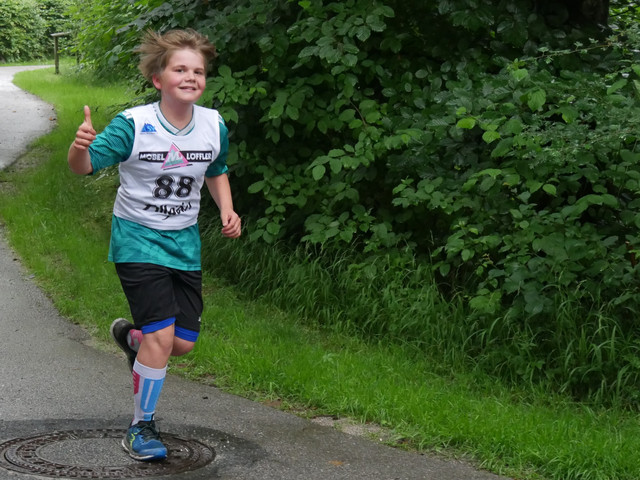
(183, 79)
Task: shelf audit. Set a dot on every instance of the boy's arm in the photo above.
(220, 191)
(78, 156)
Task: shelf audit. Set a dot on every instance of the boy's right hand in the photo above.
(85, 134)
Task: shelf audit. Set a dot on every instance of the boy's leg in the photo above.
(187, 287)
(149, 371)
(149, 291)
(129, 339)
(157, 345)
(154, 291)
(181, 347)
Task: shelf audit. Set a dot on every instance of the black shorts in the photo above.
(160, 296)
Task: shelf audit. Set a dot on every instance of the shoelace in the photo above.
(148, 431)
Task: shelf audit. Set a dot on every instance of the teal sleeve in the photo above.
(219, 165)
(114, 144)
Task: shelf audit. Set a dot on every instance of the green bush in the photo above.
(26, 27)
(22, 31)
(494, 142)
(56, 15)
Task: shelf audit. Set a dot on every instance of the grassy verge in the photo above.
(44, 61)
(59, 224)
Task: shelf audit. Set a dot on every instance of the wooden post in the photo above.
(55, 49)
(55, 55)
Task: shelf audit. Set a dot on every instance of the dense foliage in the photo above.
(26, 26)
(56, 15)
(494, 141)
(21, 31)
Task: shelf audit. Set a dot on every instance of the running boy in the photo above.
(166, 151)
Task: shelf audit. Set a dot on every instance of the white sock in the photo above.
(147, 385)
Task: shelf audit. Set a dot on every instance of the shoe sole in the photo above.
(127, 352)
(143, 458)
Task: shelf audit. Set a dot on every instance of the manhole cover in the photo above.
(97, 454)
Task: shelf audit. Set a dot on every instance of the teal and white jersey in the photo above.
(161, 180)
(162, 171)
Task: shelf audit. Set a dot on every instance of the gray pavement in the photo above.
(22, 117)
(64, 404)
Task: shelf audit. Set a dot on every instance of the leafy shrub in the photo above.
(22, 31)
(56, 15)
(26, 27)
(494, 141)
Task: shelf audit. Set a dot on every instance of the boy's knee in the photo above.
(181, 347)
(160, 341)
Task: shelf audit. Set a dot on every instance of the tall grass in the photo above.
(282, 326)
(390, 298)
(396, 298)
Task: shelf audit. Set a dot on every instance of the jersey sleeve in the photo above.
(219, 165)
(114, 144)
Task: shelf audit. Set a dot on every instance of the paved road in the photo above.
(22, 117)
(64, 404)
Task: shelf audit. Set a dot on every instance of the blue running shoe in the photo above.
(142, 442)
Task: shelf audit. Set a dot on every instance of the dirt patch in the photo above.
(357, 429)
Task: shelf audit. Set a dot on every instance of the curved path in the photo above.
(23, 117)
(64, 404)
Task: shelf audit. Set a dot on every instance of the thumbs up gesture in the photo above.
(85, 134)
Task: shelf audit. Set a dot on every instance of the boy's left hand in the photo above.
(231, 224)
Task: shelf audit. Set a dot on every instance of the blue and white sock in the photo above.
(147, 385)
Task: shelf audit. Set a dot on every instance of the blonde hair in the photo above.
(156, 49)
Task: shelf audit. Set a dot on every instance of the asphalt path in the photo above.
(23, 117)
(64, 404)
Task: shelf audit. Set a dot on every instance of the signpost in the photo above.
(55, 48)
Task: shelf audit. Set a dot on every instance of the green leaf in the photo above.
(569, 114)
(318, 172)
(276, 110)
(519, 74)
(534, 302)
(336, 165)
(533, 185)
(256, 187)
(536, 99)
(444, 269)
(466, 123)
(466, 254)
(487, 183)
(513, 126)
(511, 179)
(273, 228)
(616, 86)
(224, 71)
(490, 136)
(376, 23)
(486, 302)
(288, 130)
(363, 33)
(292, 112)
(504, 146)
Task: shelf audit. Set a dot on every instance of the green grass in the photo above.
(43, 61)
(59, 223)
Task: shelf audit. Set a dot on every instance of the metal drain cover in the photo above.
(83, 454)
